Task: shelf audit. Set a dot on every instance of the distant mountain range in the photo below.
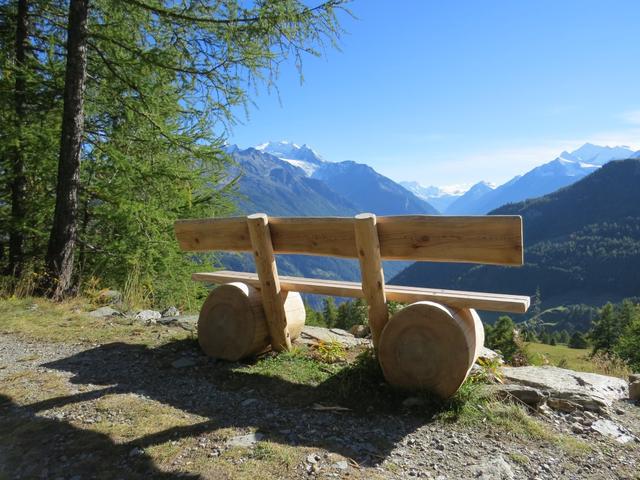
(440, 198)
(566, 169)
(582, 244)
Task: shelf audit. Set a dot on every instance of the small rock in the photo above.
(611, 430)
(312, 459)
(109, 297)
(136, 452)
(489, 355)
(183, 362)
(360, 331)
(245, 440)
(341, 465)
(634, 390)
(170, 312)
(492, 468)
(148, 316)
(104, 312)
(577, 428)
(248, 401)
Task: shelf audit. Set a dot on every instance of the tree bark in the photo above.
(62, 241)
(18, 182)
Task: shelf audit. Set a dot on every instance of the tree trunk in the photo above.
(60, 253)
(18, 183)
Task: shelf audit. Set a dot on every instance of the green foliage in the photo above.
(164, 84)
(352, 313)
(628, 346)
(611, 325)
(564, 337)
(578, 340)
(329, 312)
(504, 338)
(314, 318)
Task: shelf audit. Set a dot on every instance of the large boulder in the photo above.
(589, 391)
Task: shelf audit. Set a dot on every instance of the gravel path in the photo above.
(51, 415)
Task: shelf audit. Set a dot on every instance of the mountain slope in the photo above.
(565, 170)
(369, 191)
(465, 204)
(544, 179)
(582, 245)
(274, 186)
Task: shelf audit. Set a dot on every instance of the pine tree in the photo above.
(329, 312)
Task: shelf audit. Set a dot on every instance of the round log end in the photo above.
(232, 324)
(429, 346)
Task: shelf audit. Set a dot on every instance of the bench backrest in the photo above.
(482, 239)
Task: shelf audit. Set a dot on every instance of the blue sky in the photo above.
(453, 92)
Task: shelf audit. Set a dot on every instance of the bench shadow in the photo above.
(280, 411)
(40, 447)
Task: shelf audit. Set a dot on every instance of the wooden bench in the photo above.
(432, 343)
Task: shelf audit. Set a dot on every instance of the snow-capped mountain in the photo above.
(597, 155)
(440, 198)
(464, 203)
(566, 169)
(302, 157)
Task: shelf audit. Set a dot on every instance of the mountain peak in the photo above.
(599, 155)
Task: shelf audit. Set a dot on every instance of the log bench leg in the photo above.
(233, 325)
(429, 346)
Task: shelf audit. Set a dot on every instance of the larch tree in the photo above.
(150, 90)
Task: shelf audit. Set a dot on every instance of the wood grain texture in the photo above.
(232, 324)
(483, 239)
(366, 236)
(455, 298)
(429, 346)
(272, 298)
(209, 234)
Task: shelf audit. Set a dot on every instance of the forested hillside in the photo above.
(582, 245)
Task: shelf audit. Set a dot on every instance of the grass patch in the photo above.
(67, 322)
(578, 359)
(29, 386)
(296, 366)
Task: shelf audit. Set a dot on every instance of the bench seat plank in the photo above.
(455, 298)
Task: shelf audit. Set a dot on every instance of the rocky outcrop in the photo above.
(569, 390)
(311, 335)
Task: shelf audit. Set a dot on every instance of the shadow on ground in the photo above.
(43, 448)
(281, 411)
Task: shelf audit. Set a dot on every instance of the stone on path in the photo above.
(245, 440)
(612, 430)
(104, 312)
(149, 316)
(590, 391)
(493, 468)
